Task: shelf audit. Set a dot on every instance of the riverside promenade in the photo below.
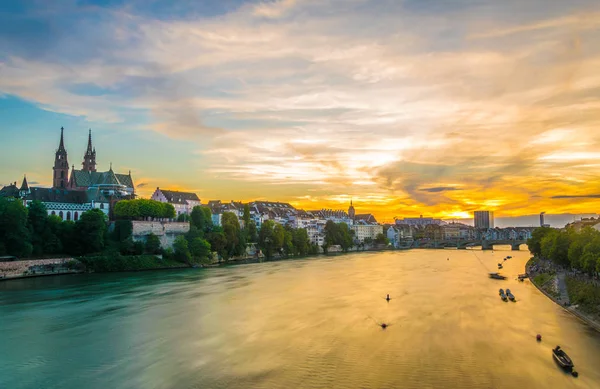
(562, 298)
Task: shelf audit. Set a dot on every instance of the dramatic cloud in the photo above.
(406, 106)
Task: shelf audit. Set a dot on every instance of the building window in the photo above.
(60, 215)
(62, 174)
(68, 216)
(76, 217)
(53, 213)
(101, 205)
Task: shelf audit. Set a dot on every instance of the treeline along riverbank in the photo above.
(29, 232)
(566, 266)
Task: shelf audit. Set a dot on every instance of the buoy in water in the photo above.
(383, 325)
(574, 373)
(539, 337)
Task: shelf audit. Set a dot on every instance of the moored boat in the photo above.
(562, 358)
(510, 296)
(502, 295)
(497, 276)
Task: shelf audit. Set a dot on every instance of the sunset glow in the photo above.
(406, 107)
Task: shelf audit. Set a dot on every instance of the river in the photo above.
(308, 323)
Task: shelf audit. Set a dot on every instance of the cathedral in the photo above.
(81, 191)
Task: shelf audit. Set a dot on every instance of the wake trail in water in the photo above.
(481, 262)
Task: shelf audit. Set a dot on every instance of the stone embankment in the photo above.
(166, 231)
(35, 267)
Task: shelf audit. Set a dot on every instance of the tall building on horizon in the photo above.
(484, 219)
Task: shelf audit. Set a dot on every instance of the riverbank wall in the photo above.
(166, 231)
(572, 310)
(37, 268)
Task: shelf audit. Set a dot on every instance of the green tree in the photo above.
(288, 241)
(278, 236)
(200, 249)
(578, 243)
(346, 237)
(91, 231)
(535, 242)
(207, 218)
(218, 242)
(266, 239)
(37, 216)
(143, 208)
(182, 218)
(152, 245)
(52, 241)
(559, 250)
(231, 229)
(193, 233)
(301, 241)
(198, 219)
(67, 235)
(181, 250)
(381, 239)
(123, 229)
(14, 234)
(252, 232)
(591, 255)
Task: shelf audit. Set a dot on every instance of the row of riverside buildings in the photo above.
(75, 191)
(365, 226)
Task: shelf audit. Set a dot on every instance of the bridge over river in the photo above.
(486, 244)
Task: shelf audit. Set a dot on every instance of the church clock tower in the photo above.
(61, 165)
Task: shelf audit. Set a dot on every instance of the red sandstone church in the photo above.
(83, 190)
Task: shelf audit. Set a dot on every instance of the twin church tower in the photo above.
(87, 177)
(61, 163)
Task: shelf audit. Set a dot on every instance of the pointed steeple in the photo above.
(89, 148)
(61, 146)
(89, 159)
(24, 185)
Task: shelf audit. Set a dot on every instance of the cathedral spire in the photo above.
(61, 164)
(89, 148)
(89, 159)
(61, 146)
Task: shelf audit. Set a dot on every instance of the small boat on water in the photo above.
(502, 295)
(562, 358)
(510, 296)
(497, 276)
(499, 266)
(509, 257)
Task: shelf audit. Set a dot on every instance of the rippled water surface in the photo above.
(294, 324)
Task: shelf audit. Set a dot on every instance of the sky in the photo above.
(407, 107)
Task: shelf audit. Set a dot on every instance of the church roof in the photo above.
(50, 195)
(24, 185)
(175, 197)
(84, 178)
(366, 217)
(10, 191)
